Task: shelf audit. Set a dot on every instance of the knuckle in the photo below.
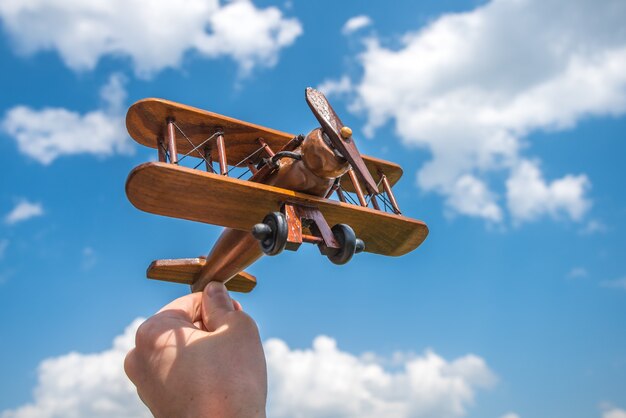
(130, 363)
(146, 334)
(244, 322)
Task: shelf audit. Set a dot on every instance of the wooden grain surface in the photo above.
(146, 121)
(180, 192)
(186, 270)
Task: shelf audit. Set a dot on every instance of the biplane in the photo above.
(272, 191)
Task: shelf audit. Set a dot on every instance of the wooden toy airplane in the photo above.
(285, 201)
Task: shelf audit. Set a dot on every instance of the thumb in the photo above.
(216, 303)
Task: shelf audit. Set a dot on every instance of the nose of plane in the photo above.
(321, 159)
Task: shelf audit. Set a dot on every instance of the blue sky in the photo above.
(507, 117)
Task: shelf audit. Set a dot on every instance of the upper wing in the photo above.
(180, 192)
(146, 121)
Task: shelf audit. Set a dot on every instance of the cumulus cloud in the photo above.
(49, 133)
(471, 196)
(79, 385)
(614, 413)
(23, 211)
(153, 34)
(510, 415)
(530, 196)
(249, 35)
(324, 381)
(470, 87)
(320, 381)
(336, 87)
(355, 23)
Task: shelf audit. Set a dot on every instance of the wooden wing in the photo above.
(180, 192)
(146, 122)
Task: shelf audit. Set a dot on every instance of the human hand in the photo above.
(200, 356)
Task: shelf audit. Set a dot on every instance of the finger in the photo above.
(216, 303)
(187, 308)
(237, 305)
(180, 313)
(200, 325)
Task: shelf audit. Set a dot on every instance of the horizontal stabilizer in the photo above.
(186, 270)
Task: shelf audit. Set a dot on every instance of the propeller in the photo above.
(340, 136)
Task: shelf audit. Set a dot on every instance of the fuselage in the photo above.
(314, 174)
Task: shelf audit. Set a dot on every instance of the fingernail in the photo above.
(217, 289)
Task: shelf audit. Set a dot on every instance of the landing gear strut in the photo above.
(280, 230)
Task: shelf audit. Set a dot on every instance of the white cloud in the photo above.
(470, 87)
(471, 196)
(24, 210)
(79, 385)
(577, 273)
(355, 23)
(153, 34)
(336, 87)
(321, 381)
(615, 284)
(324, 381)
(594, 226)
(614, 413)
(529, 196)
(47, 134)
(510, 415)
(251, 36)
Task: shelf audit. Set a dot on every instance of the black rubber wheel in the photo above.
(274, 243)
(347, 244)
